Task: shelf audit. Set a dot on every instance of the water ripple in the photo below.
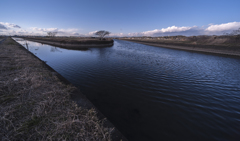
(152, 93)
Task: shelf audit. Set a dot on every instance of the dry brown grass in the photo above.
(73, 40)
(220, 45)
(193, 40)
(35, 105)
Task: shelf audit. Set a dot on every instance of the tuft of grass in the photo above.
(26, 126)
(11, 42)
(7, 98)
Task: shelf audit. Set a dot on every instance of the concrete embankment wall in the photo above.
(229, 51)
(71, 45)
(37, 103)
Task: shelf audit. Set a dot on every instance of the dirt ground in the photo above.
(36, 105)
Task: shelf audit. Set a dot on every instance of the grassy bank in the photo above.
(72, 42)
(35, 104)
(228, 45)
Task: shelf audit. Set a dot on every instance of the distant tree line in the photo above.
(52, 34)
(234, 32)
(101, 34)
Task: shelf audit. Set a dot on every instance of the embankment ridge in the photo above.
(223, 45)
(35, 102)
(72, 43)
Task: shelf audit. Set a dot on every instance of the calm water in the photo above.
(152, 93)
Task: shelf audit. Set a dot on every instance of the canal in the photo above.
(153, 93)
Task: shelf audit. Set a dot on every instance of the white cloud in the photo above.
(71, 30)
(61, 32)
(76, 34)
(210, 29)
(2, 26)
(117, 35)
(44, 29)
(9, 28)
(37, 31)
(92, 33)
(223, 27)
(9, 25)
(183, 30)
(173, 30)
(168, 30)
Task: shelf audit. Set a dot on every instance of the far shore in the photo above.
(73, 43)
(204, 47)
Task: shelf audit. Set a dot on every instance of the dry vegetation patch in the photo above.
(226, 45)
(73, 40)
(35, 105)
(221, 41)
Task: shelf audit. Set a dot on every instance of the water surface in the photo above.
(153, 93)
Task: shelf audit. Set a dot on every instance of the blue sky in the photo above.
(120, 17)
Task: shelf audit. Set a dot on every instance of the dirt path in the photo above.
(35, 104)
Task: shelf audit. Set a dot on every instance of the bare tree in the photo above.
(102, 33)
(49, 34)
(52, 34)
(236, 32)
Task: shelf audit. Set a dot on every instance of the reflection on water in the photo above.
(153, 93)
(53, 49)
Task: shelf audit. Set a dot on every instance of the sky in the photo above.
(120, 17)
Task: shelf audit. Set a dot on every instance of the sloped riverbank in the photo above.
(154, 93)
(36, 102)
(229, 45)
(74, 43)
